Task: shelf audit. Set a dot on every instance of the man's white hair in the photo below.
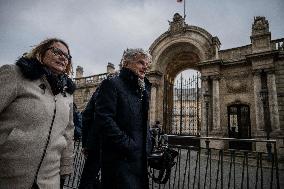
(130, 55)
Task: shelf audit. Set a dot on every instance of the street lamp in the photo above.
(267, 125)
(206, 97)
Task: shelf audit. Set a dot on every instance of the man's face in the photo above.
(139, 66)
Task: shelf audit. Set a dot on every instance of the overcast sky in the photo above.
(99, 30)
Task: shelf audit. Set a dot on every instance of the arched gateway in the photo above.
(181, 47)
(242, 88)
(241, 92)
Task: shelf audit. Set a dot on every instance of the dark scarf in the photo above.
(32, 69)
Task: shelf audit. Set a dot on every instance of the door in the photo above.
(239, 126)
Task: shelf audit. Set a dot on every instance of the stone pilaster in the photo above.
(257, 101)
(216, 102)
(152, 116)
(204, 89)
(273, 102)
(155, 80)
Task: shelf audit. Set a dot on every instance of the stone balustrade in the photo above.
(278, 44)
(90, 80)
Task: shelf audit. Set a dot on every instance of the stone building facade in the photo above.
(237, 81)
(86, 86)
(234, 79)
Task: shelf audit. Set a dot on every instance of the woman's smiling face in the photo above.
(56, 58)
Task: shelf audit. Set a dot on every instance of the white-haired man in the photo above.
(121, 113)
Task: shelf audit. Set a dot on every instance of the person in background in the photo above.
(91, 145)
(91, 150)
(36, 118)
(121, 114)
(77, 118)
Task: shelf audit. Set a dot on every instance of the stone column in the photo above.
(273, 103)
(152, 107)
(155, 79)
(257, 101)
(204, 88)
(216, 102)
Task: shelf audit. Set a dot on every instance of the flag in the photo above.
(179, 1)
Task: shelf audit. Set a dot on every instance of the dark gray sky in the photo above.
(99, 30)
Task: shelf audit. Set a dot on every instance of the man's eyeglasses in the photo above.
(59, 52)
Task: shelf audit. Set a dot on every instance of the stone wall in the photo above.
(279, 72)
(236, 87)
(84, 91)
(235, 53)
(86, 86)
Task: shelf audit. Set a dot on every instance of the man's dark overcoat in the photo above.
(121, 113)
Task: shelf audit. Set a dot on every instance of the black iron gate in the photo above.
(182, 105)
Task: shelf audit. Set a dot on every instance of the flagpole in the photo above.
(184, 9)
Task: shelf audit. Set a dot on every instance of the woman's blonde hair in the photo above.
(38, 51)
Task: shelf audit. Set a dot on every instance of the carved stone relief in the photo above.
(260, 25)
(177, 25)
(237, 83)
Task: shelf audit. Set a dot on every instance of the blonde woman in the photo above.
(36, 118)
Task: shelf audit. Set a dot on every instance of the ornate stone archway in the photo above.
(231, 76)
(182, 47)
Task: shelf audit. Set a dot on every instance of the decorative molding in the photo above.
(204, 78)
(154, 77)
(236, 85)
(154, 74)
(257, 72)
(210, 63)
(215, 77)
(260, 55)
(270, 71)
(242, 75)
(216, 41)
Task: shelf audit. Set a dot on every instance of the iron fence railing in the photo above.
(73, 180)
(200, 167)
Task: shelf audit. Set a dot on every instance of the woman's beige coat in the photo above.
(29, 114)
